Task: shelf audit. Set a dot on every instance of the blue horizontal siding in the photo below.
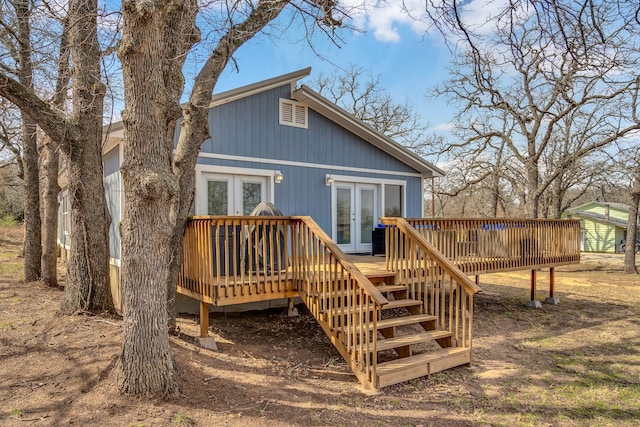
(249, 127)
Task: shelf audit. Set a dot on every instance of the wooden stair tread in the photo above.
(381, 274)
(404, 340)
(393, 366)
(392, 304)
(381, 288)
(391, 288)
(404, 320)
(399, 303)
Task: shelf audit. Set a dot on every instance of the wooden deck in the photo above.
(424, 275)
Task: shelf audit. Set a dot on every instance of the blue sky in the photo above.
(389, 43)
(408, 62)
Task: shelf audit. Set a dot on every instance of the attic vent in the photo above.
(293, 113)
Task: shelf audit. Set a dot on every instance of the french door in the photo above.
(233, 194)
(355, 215)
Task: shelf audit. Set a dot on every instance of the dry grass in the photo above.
(574, 364)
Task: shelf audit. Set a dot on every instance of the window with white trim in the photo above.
(293, 113)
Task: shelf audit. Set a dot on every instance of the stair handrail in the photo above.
(341, 257)
(434, 253)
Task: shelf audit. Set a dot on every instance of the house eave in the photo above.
(338, 115)
(599, 218)
(254, 88)
(113, 133)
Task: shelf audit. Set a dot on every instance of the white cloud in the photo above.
(384, 18)
(444, 127)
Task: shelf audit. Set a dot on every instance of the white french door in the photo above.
(355, 214)
(232, 194)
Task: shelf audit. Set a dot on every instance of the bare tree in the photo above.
(158, 184)
(78, 137)
(632, 227)
(360, 93)
(538, 67)
(50, 167)
(17, 40)
(563, 170)
(11, 173)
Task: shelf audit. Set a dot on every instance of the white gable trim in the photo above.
(252, 89)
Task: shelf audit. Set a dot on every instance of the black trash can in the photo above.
(378, 241)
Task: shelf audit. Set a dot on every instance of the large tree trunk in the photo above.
(632, 227)
(556, 199)
(32, 221)
(495, 183)
(533, 197)
(50, 165)
(50, 220)
(88, 287)
(79, 138)
(156, 37)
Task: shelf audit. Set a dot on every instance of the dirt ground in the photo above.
(577, 363)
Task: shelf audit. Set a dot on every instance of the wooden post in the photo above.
(552, 282)
(292, 311)
(533, 285)
(205, 340)
(478, 279)
(204, 319)
(433, 198)
(533, 303)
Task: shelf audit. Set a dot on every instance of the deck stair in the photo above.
(420, 349)
(408, 344)
(409, 320)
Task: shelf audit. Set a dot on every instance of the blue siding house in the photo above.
(281, 142)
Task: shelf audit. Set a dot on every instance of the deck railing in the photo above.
(491, 245)
(346, 304)
(445, 291)
(245, 259)
(236, 258)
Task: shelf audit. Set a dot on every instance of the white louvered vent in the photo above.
(293, 113)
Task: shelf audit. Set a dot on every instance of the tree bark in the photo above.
(78, 137)
(159, 187)
(156, 37)
(632, 227)
(50, 167)
(533, 197)
(32, 220)
(88, 287)
(49, 262)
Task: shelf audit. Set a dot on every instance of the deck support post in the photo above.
(205, 341)
(552, 299)
(478, 279)
(292, 311)
(533, 303)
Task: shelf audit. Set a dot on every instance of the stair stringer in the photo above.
(367, 381)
